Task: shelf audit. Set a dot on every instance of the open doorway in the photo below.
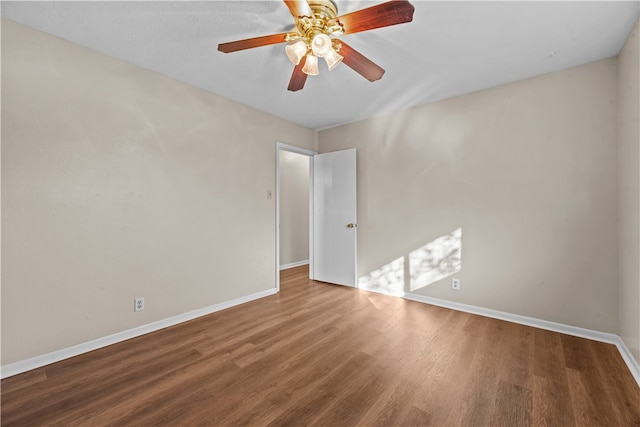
(294, 207)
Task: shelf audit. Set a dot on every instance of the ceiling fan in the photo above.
(316, 32)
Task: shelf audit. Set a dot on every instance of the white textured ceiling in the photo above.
(449, 49)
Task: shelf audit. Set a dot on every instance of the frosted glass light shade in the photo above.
(311, 66)
(296, 51)
(321, 45)
(333, 58)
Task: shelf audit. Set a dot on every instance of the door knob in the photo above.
(351, 225)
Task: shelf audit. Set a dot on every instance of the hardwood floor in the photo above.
(319, 354)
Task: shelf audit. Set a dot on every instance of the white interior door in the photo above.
(334, 217)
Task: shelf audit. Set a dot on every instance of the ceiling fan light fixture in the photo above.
(333, 58)
(316, 35)
(321, 45)
(311, 66)
(296, 51)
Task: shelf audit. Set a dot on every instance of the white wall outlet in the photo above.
(455, 283)
(138, 304)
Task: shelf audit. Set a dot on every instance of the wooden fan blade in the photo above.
(360, 64)
(382, 15)
(299, 8)
(251, 43)
(298, 78)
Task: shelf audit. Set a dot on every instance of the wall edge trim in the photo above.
(75, 350)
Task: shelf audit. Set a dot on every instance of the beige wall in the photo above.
(294, 208)
(526, 170)
(119, 183)
(629, 192)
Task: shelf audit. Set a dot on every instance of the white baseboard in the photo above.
(65, 353)
(628, 358)
(516, 318)
(294, 264)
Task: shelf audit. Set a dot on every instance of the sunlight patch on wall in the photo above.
(388, 279)
(434, 261)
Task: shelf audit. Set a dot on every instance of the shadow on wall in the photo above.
(434, 261)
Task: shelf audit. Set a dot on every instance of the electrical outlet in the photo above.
(138, 304)
(455, 284)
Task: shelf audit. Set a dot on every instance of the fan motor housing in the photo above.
(323, 19)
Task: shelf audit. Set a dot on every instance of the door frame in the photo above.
(280, 146)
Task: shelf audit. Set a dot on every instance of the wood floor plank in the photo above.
(321, 354)
(512, 407)
(551, 395)
(324, 361)
(623, 399)
(448, 365)
(75, 398)
(481, 385)
(28, 379)
(329, 391)
(586, 414)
